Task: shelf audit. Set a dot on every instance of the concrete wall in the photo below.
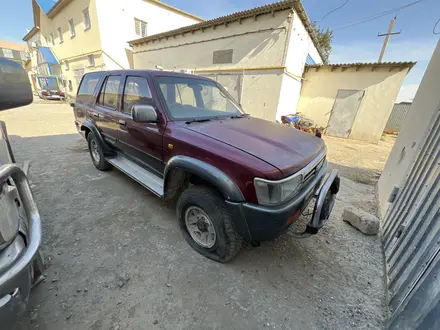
(299, 46)
(425, 104)
(381, 87)
(255, 43)
(116, 22)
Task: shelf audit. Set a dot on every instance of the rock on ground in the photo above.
(361, 220)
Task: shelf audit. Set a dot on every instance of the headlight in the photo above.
(9, 218)
(276, 192)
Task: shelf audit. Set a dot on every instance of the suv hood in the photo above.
(285, 148)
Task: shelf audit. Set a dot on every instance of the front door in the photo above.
(344, 112)
(105, 114)
(140, 141)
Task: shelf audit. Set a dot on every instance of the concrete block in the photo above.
(361, 220)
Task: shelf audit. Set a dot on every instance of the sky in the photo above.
(357, 43)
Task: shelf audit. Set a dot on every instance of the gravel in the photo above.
(129, 245)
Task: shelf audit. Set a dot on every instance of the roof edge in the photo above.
(59, 6)
(296, 5)
(31, 33)
(365, 64)
(176, 10)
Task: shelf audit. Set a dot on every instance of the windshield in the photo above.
(192, 98)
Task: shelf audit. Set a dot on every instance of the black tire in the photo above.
(101, 164)
(228, 242)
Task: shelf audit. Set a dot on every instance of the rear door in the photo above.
(141, 141)
(105, 114)
(85, 98)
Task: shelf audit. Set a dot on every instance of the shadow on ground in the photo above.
(115, 258)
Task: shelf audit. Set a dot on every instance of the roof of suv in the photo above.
(155, 73)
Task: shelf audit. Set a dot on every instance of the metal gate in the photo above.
(344, 112)
(411, 238)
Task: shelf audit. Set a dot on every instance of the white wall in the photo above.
(300, 44)
(419, 118)
(289, 96)
(116, 24)
(255, 43)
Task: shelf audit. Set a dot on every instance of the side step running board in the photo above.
(147, 179)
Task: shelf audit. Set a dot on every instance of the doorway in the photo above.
(344, 112)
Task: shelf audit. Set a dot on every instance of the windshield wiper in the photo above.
(197, 120)
(241, 115)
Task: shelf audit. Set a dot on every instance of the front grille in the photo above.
(311, 174)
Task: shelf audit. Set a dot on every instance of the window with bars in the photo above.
(60, 35)
(140, 27)
(72, 28)
(86, 18)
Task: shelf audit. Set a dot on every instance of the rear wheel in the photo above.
(207, 225)
(96, 153)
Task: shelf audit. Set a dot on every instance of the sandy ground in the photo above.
(116, 259)
(360, 161)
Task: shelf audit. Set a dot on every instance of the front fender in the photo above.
(92, 127)
(224, 184)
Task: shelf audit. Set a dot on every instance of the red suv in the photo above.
(233, 178)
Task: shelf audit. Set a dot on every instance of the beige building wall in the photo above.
(255, 43)
(381, 86)
(417, 122)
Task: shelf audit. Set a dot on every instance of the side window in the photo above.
(108, 96)
(88, 85)
(136, 91)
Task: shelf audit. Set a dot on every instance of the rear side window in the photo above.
(88, 84)
(109, 92)
(136, 91)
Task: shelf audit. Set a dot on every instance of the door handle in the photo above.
(122, 122)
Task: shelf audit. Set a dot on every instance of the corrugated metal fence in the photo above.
(411, 237)
(397, 117)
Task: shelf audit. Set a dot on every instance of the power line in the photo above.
(373, 17)
(332, 11)
(433, 29)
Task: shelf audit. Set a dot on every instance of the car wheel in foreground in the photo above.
(207, 225)
(96, 153)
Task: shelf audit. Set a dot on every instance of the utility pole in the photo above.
(387, 37)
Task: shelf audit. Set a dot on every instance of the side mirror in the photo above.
(144, 113)
(15, 87)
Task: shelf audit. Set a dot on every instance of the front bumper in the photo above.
(16, 261)
(262, 223)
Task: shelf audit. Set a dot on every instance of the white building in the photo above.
(259, 54)
(72, 37)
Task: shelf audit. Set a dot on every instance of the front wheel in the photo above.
(207, 225)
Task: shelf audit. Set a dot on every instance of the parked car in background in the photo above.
(51, 93)
(233, 178)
